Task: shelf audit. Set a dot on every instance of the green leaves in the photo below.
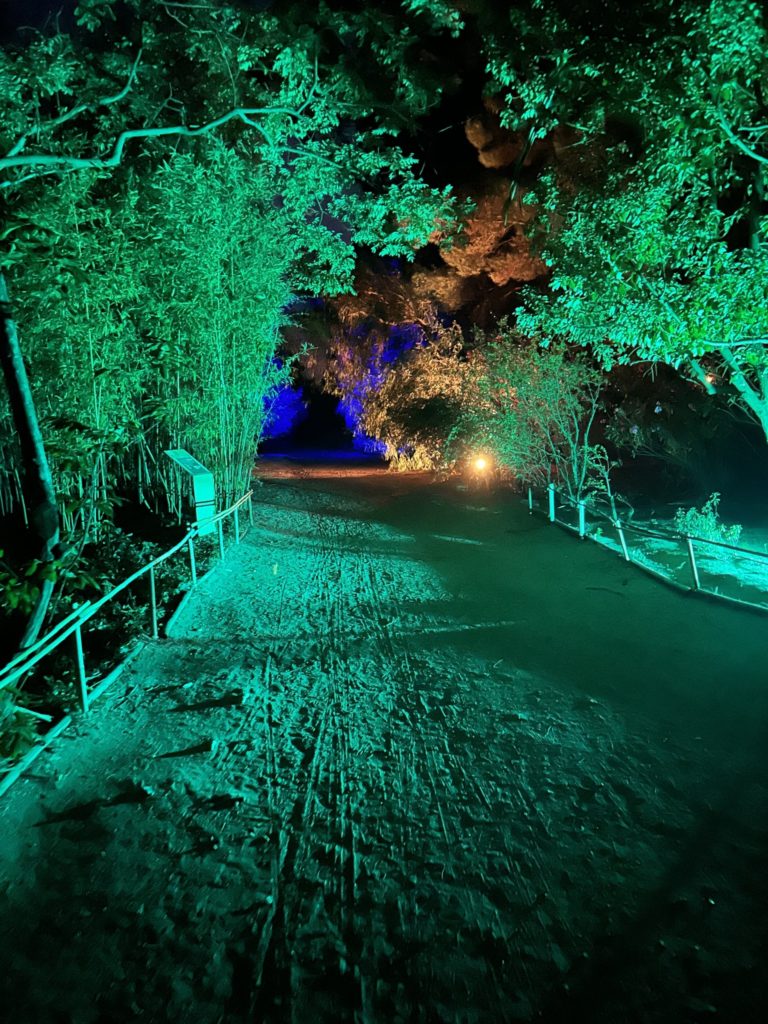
(152, 293)
(441, 14)
(92, 14)
(655, 237)
(533, 407)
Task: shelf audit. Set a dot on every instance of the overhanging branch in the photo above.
(81, 108)
(48, 162)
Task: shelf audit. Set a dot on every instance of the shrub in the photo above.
(705, 522)
(17, 730)
(535, 409)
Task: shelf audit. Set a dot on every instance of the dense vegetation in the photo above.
(176, 180)
(172, 178)
(638, 149)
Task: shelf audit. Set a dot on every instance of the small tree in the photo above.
(535, 409)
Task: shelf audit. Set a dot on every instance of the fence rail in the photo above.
(721, 570)
(73, 625)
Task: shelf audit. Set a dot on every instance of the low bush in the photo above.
(706, 523)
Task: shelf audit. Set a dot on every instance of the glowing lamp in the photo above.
(480, 464)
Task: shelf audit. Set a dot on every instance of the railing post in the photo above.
(237, 525)
(81, 680)
(192, 563)
(221, 538)
(551, 489)
(694, 567)
(582, 520)
(530, 501)
(623, 539)
(153, 600)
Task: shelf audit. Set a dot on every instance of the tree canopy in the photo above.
(172, 175)
(653, 215)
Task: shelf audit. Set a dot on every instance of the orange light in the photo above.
(480, 464)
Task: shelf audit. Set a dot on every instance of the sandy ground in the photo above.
(409, 755)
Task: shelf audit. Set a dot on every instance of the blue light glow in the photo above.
(385, 352)
(283, 411)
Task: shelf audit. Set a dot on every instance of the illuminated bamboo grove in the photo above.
(156, 231)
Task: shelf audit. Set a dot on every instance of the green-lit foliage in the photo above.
(215, 280)
(416, 400)
(706, 523)
(654, 211)
(17, 729)
(151, 292)
(535, 408)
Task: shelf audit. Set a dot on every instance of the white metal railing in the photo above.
(73, 624)
(658, 552)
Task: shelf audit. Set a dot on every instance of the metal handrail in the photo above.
(677, 535)
(28, 651)
(664, 535)
(26, 665)
(74, 622)
(689, 540)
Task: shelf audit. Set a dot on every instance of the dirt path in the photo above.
(345, 789)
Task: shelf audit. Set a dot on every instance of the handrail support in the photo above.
(81, 679)
(694, 566)
(192, 562)
(153, 600)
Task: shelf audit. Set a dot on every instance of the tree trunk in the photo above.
(36, 474)
(754, 397)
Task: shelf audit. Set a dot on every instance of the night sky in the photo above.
(15, 13)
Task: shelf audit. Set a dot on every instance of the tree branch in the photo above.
(80, 109)
(49, 162)
(702, 377)
(739, 343)
(739, 143)
(752, 397)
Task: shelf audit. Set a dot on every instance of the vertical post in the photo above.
(153, 600)
(551, 489)
(192, 563)
(694, 567)
(237, 525)
(250, 510)
(582, 520)
(530, 501)
(81, 682)
(221, 537)
(623, 539)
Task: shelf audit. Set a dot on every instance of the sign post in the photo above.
(203, 489)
